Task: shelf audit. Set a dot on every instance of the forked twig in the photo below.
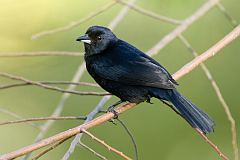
(58, 109)
(90, 116)
(209, 53)
(220, 97)
(110, 148)
(182, 27)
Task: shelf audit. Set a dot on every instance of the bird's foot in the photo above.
(112, 110)
(149, 100)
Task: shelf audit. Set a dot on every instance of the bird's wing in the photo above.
(128, 65)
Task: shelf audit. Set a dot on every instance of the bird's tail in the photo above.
(191, 113)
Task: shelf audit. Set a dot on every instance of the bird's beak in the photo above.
(85, 38)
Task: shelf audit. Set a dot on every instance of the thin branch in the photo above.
(43, 119)
(49, 149)
(58, 110)
(220, 97)
(93, 152)
(40, 53)
(150, 13)
(101, 119)
(200, 133)
(110, 148)
(5, 111)
(123, 12)
(131, 136)
(209, 53)
(211, 144)
(182, 27)
(226, 14)
(20, 84)
(74, 24)
(7, 75)
(90, 116)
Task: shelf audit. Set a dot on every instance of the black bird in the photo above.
(125, 71)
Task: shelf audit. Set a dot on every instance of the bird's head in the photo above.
(97, 39)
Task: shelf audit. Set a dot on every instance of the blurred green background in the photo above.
(159, 132)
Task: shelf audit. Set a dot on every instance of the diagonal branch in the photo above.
(101, 119)
(58, 110)
(110, 148)
(90, 116)
(49, 149)
(209, 53)
(91, 150)
(226, 14)
(220, 97)
(182, 27)
(74, 24)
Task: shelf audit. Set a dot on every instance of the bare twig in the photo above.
(74, 24)
(230, 118)
(7, 75)
(49, 149)
(66, 134)
(131, 136)
(101, 119)
(5, 111)
(200, 133)
(49, 82)
(43, 119)
(123, 12)
(212, 144)
(228, 16)
(209, 53)
(182, 27)
(220, 97)
(60, 106)
(150, 13)
(110, 148)
(40, 53)
(90, 116)
(91, 150)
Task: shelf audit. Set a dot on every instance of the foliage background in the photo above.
(159, 132)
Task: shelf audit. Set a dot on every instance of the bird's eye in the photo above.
(99, 38)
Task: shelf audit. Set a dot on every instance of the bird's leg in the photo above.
(111, 108)
(149, 99)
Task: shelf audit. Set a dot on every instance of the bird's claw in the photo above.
(112, 110)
